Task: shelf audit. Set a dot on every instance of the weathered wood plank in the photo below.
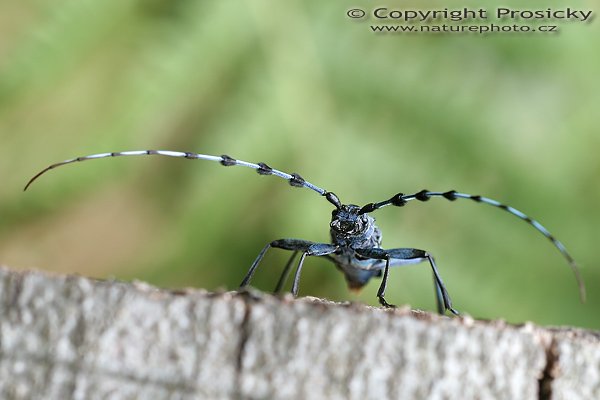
(67, 337)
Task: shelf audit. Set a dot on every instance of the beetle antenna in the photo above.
(263, 169)
(401, 199)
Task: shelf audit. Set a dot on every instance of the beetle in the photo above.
(356, 240)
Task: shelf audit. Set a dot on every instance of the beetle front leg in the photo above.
(404, 256)
(307, 248)
(382, 286)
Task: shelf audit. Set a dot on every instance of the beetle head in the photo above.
(346, 221)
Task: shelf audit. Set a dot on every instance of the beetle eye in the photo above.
(347, 226)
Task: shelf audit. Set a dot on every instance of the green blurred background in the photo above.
(300, 86)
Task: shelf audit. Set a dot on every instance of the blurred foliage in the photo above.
(298, 85)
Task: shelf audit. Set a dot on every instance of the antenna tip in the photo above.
(30, 182)
(579, 279)
(582, 293)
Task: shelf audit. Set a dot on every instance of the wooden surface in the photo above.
(67, 337)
